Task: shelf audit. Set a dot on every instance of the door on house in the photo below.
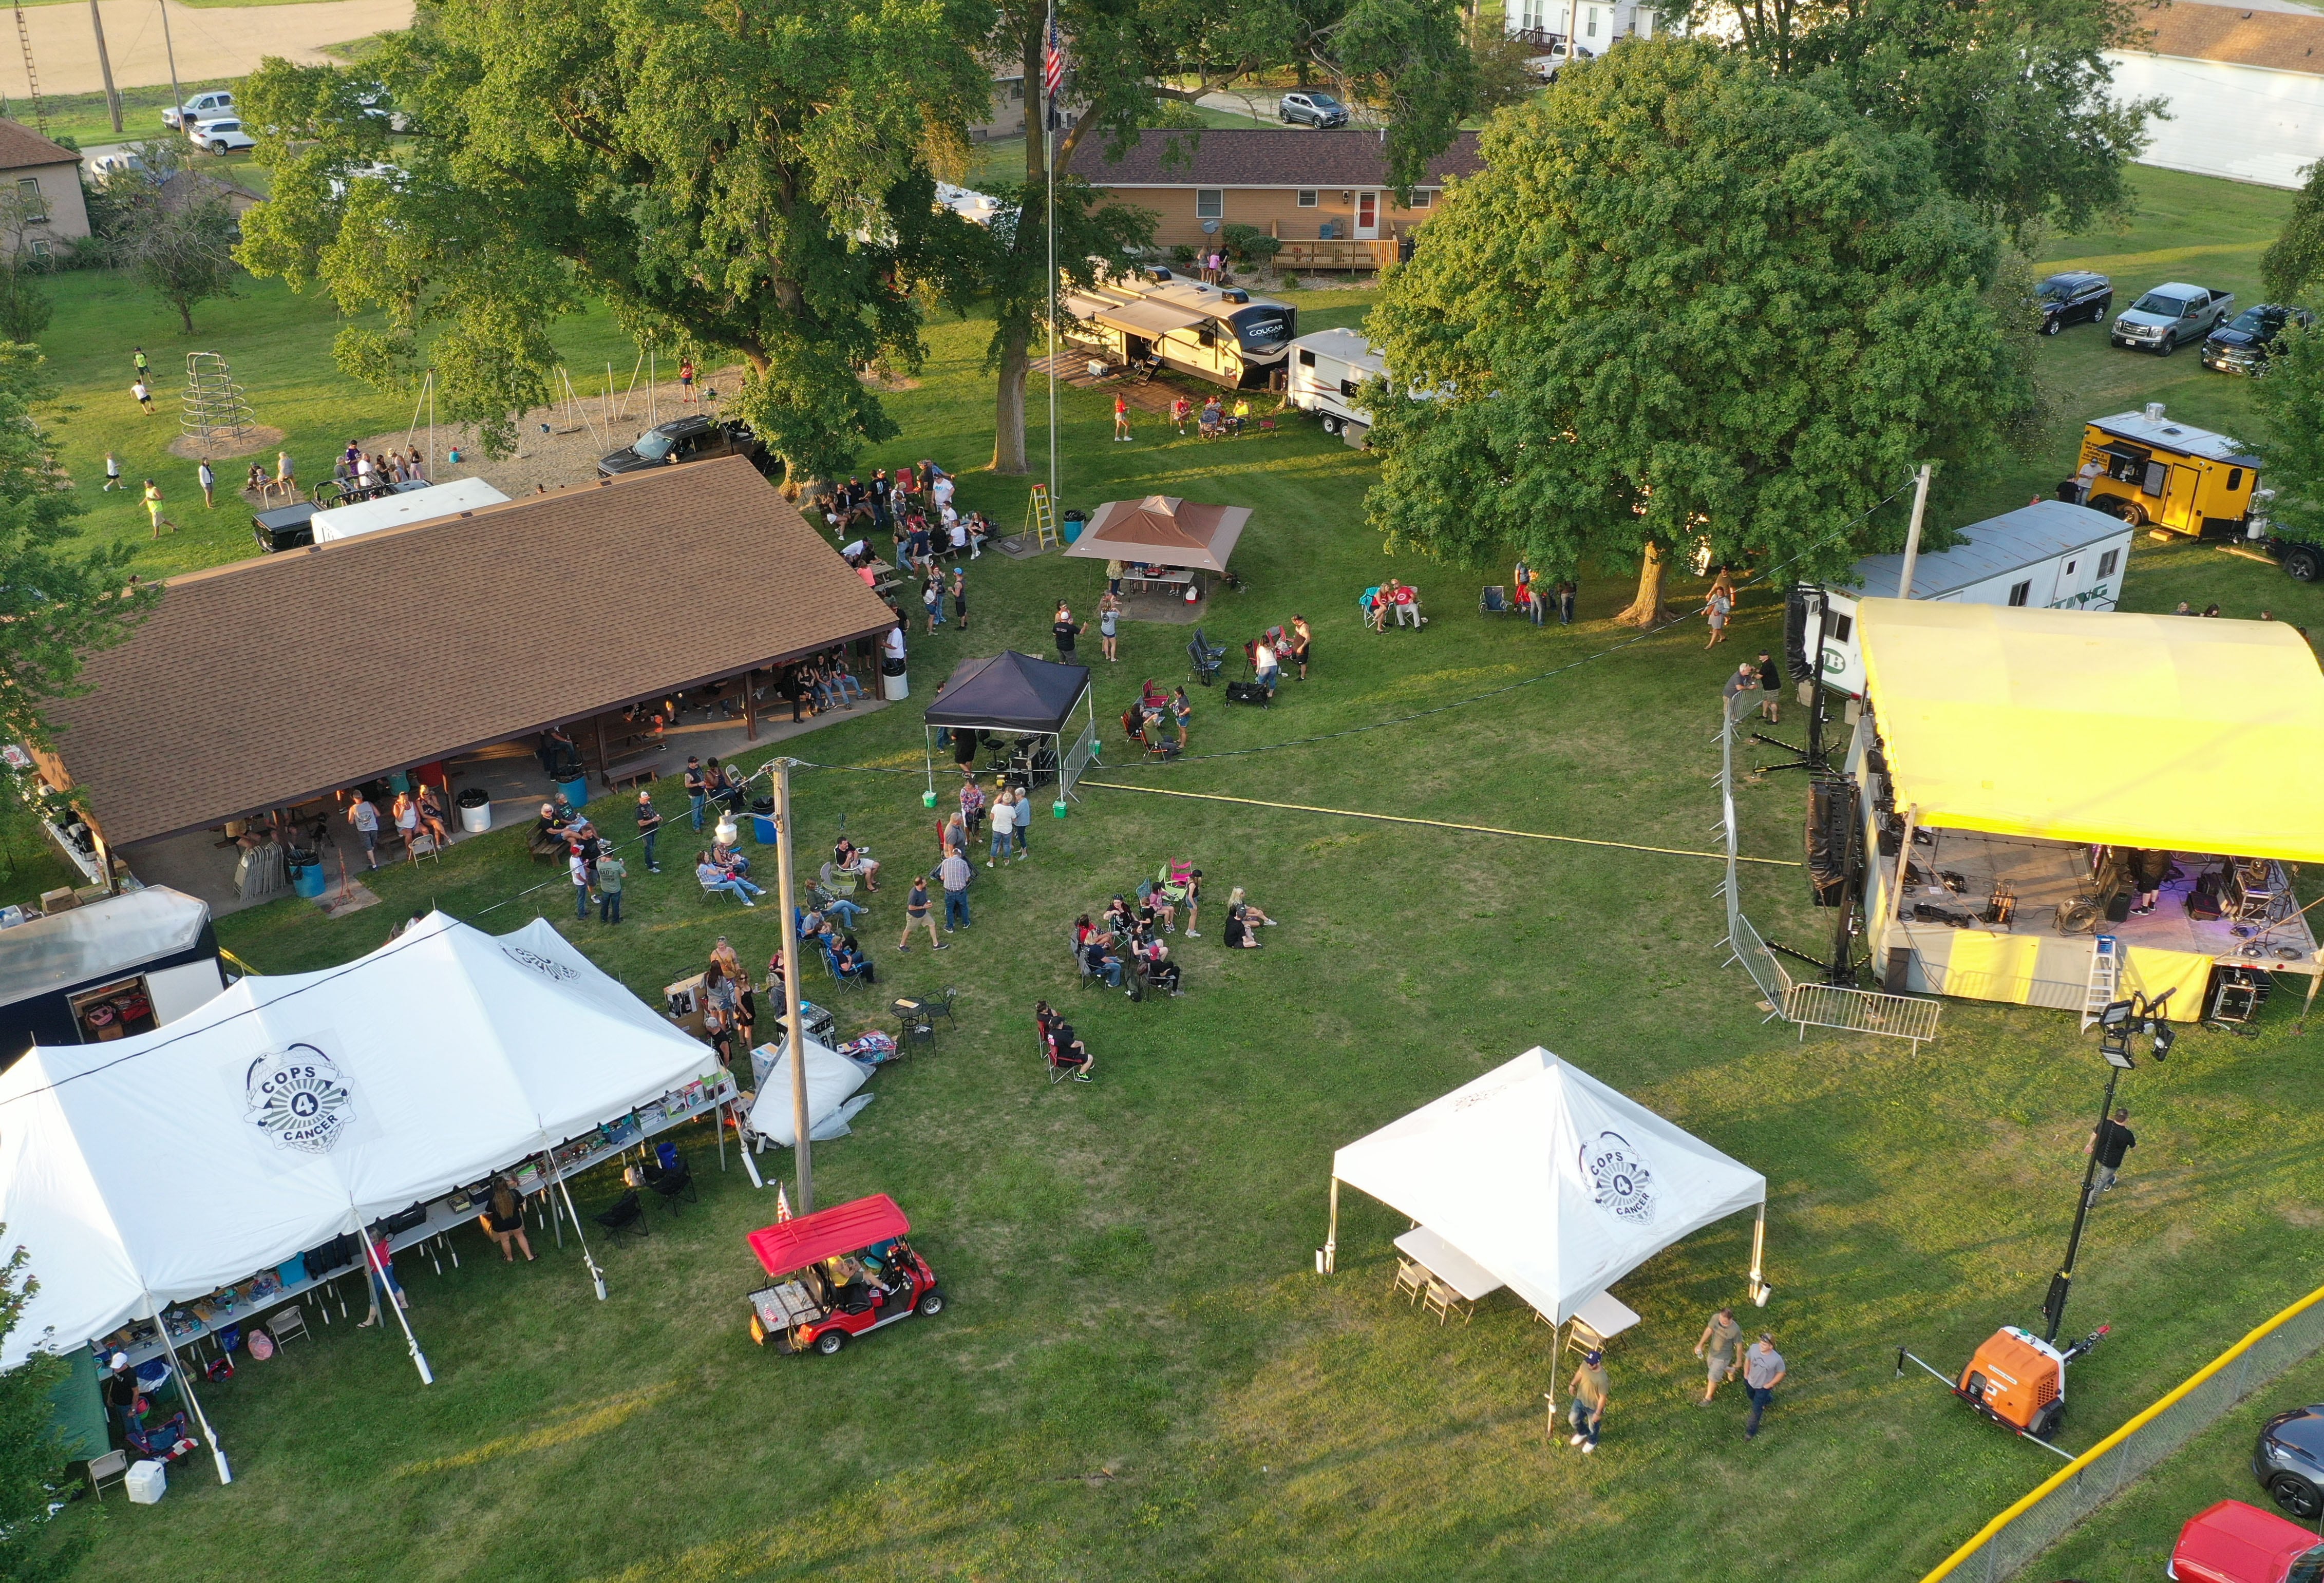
(1366, 216)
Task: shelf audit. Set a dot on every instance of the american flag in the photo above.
(1053, 62)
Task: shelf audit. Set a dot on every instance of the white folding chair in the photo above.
(288, 1323)
(113, 1467)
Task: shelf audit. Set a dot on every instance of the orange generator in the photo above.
(2017, 1379)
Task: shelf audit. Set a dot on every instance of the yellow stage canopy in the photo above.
(2142, 730)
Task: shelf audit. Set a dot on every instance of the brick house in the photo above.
(48, 175)
(1325, 195)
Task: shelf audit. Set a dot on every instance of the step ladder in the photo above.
(1040, 521)
(2106, 977)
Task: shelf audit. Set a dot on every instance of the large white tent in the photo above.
(153, 1170)
(1555, 1183)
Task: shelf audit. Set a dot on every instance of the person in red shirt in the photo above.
(1179, 410)
(1121, 418)
(1407, 600)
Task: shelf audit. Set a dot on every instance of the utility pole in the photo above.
(105, 66)
(176, 94)
(785, 842)
(1912, 536)
(1049, 219)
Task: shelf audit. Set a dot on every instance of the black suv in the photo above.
(696, 438)
(2241, 347)
(2071, 297)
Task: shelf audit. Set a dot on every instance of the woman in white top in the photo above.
(1004, 819)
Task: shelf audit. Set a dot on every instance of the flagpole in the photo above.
(1049, 215)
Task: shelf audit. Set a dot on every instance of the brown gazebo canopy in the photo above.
(1163, 530)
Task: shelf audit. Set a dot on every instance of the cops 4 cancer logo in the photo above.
(1620, 1180)
(300, 1098)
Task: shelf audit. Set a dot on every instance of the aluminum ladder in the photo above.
(1040, 521)
(2106, 978)
(31, 77)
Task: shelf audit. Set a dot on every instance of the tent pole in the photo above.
(597, 1276)
(929, 759)
(186, 1383)
(387, 1301)
(743, 1147)
(801, 1149)
(2308, 1005)
(548, 1198)
(1758, 1248)
(1332, 1236)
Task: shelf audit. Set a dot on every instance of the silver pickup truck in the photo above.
(2171, 316)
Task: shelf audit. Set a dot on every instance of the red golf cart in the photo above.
(838, 1274)
(2231, 1542)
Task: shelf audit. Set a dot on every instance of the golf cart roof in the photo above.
(795, 1244)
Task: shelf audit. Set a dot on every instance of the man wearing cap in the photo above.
(120, 1389)
(1763, 1371)
(1587, 1412)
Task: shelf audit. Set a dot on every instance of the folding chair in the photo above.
(1409, 1277)
(626, 1215)
(113, 1467)
(287, 1323)
(1494, 600)
(1442, 1300)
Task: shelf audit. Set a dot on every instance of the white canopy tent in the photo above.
(153, 1170)
(1555, 1183)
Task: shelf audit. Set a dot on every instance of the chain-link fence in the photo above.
(2096, 1477)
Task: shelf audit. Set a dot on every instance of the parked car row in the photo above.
(2169, 316)
(2233, 1541)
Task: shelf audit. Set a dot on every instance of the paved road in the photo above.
(221, 42)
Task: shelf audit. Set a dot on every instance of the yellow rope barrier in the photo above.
(2043, 1491)
(246, 970)
(1668, 852)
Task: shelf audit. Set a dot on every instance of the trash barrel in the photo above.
(763, 827)
(307, 879)
(576, 791)
(1075, 522)
(475, 810)
(893, 683)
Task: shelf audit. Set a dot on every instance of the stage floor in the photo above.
(2043, 874)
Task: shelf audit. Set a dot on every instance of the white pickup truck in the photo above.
(2171, 316)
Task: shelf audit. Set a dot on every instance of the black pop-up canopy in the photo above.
(1017, 694)
(1010, 691)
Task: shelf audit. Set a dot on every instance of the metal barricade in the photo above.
(2032, 1524)
(1861, 1011)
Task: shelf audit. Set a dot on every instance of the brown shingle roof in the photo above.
(2281, 41)
(22, 147)
(277, 679)
(1261, 156)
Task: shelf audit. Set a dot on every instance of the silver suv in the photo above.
(1312, 107)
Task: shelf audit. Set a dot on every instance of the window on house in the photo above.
(1590, 25)
(35, 210)
(2109, 562)
(2019, 593)
(1423, 199)
(40, 248)
(1210, 203)
(1307, 198)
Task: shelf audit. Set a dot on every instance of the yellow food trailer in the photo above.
(2152, 471)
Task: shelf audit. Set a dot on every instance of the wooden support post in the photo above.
(605, 770)
(749, 707)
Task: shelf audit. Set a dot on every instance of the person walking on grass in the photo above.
(142, 392)
(576, 864)
(1109, 621)
(365, 816)
(1719, 1348)
(917, 916)
(1763, 1371)
(1586, 1414)
(1121, 416)
(610, 872)
(1771, 688)
(112, 472)
(138, 361)
(1717, 609)
(209, 477)
(649, 827)
(2109, 1143)
(154, 508)
(960, 598)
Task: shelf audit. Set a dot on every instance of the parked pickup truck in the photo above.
(2171, 316)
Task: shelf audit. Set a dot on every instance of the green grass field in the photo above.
(1140, 1376)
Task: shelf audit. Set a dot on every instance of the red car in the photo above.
(839, 1272)
(2232, 1543)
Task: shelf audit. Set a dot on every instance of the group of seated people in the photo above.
(726, 871)
(1150, 721)
(561, 831)
(1217, 421)
(1396, 597)
(1060, 1044)
(1127, 935)
(847, 857)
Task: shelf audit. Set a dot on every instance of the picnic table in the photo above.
(1146, 580)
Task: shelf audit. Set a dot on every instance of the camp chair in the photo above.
(1202, 665)
(837, 882)
(1494, 600)
(626, 1215)
(1060, 1067)
(672, 1183)
(839, 980)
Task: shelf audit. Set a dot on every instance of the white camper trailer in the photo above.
(2048, 556)
(405, 506)
(1327, 369)
(1221, 334)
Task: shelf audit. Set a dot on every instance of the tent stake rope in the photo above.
(1668, 852)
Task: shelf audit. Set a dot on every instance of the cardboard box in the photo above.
(59, 900)
(683, 1003)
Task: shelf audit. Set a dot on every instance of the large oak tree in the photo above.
(1686, 301)
(751, 178)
